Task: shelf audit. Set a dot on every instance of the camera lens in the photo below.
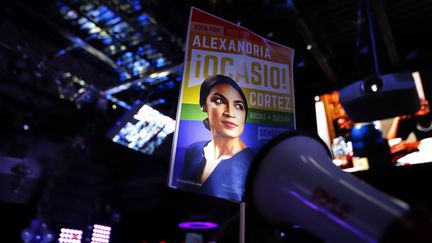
(372, 85)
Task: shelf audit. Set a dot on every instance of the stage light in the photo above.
(101, 234)
(70, 235)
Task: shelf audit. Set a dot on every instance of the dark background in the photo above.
(54, 74)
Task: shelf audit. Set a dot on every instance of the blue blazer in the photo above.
(227, 180)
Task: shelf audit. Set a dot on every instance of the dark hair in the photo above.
(212, 81)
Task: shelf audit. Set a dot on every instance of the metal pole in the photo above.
(242, 222)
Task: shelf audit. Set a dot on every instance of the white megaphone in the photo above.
(293, 181)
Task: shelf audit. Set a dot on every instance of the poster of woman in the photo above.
(236, 94)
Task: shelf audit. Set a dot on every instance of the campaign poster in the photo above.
(236, 94)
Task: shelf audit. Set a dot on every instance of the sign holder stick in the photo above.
(242, 222)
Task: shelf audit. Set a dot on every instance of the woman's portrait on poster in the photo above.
(219, 166)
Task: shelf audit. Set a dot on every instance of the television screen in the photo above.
(143, 129)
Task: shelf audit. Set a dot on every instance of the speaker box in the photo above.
(380, 96)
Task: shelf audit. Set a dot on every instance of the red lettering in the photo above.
(334, 205)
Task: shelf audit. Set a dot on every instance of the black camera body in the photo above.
(380, 96)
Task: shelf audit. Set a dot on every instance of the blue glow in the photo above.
(139, 67)
(128, 55)
(107, 15)
(120, 27)
(163, 78)
(160, 62)
(64, 9)
(100, 13)
(118, 102)
(71, 14)
(300, 64)
(170, 85)
(364, 49)
(78, 41)
(106, 40)
(143, 19)
(88, 25)
(61, 52)
(136, 4)
(94, 13)
(92, 36)
(140, 50)
(113, 21)
(124, 76)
